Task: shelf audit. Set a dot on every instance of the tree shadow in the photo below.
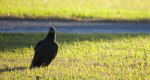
(20, 40)
(12, 69)
(69, 38)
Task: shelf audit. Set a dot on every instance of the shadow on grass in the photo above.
(21, 40)
(12, 69)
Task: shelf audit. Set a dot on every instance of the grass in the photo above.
(80, 56)
(136, 10)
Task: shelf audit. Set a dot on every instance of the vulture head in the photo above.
(51, 29)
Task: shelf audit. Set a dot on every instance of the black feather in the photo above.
(45, 50)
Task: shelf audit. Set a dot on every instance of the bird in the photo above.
(45, 50)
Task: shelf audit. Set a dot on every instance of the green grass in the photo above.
(136, 10)
(80, 56)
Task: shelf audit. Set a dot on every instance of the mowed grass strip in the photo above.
(80, 56)
(135, 10)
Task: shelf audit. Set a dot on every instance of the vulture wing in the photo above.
(38, 44)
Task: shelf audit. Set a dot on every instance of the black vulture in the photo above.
(45, 50)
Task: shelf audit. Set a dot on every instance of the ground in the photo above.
(80, 56)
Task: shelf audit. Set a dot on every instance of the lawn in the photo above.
(111, 10)
(81, 56)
